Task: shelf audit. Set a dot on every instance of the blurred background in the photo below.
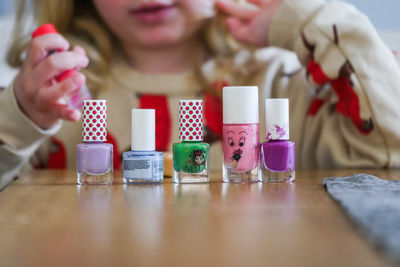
(384, 14)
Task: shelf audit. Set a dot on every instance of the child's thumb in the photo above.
(238, 29)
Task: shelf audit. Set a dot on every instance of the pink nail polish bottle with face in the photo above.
(240, 134)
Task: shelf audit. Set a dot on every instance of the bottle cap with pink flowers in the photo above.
(277, 118)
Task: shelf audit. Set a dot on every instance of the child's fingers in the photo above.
(255, 2)
(62, 111)
(238, 29)
(58, 63)
(66, 87)
(42, 45)
(235, 9)
(200, 9)
(69, 114)
(78, 49)
(262, 3)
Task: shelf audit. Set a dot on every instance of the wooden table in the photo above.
(48, 220)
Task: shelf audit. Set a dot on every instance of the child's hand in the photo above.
(36, 90)
(250, 25)
(200, 9)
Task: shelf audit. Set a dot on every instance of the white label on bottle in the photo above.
(138, 168)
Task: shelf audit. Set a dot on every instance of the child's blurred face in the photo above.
(153, 23)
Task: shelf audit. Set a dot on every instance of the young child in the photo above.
(149, 54)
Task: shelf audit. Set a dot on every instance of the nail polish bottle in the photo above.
(277, 153)
(94, 158)
(240, 132)
(191, 156)
(75, 99)
(143, 164)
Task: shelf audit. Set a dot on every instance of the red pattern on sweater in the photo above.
(213, 108)
(163, 118)
(116, 153)
(315, 106)
(348, 103)
(317, 73)
(57, 155)
(213, 113)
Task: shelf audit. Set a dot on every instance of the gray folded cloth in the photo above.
(373, 205)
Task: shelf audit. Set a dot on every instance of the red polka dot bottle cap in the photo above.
(94, 124)
(191, 120)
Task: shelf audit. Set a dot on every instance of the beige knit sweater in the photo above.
(343, 84)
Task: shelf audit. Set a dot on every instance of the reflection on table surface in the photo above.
(48, 220)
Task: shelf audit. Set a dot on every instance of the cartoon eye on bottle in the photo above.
(242, 141)
(230, 141)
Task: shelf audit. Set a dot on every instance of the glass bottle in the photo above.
(143, 164)
(277, 153)
(191, 156)
(94, 158)
(240, 131)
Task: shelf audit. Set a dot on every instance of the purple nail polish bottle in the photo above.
(94, 158)
(277, 153)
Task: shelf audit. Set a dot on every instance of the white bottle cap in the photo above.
(240, 104)
(277, 118)
(143, 129)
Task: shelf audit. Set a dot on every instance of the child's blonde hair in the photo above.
(79, 22)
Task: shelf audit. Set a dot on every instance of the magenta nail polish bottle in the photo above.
(277, 153)
(240, 134)
(94, 158)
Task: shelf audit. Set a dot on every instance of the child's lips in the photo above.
(152, 12)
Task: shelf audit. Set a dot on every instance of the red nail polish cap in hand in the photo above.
(47, 29)
(44, 29)
(75, 101)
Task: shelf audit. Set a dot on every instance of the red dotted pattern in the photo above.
(191, 120)
(94, 124)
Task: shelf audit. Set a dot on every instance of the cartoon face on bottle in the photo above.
(237, 143)
(241, 146)
(198, 157)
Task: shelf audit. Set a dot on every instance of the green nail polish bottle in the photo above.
(191, 156)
